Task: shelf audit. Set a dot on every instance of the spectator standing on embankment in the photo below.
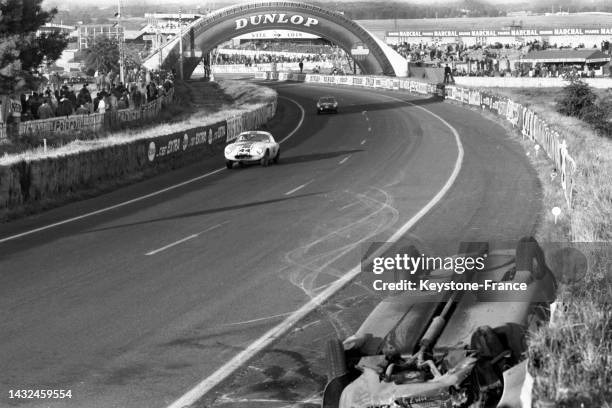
(96, 101)
(82, 110)
(65, 107)
(45, 111)
(448, 77)
(34, 102)
(112, 102)
(71, 96)
(151, 91)
(101, 108)
(84, 96)
(136, 97)
(123, 103)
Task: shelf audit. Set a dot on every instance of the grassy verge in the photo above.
(571, 358)
(172, 112)
(591, 216)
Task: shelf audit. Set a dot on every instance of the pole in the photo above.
(120, 35)
(180, 44)
(159, 43)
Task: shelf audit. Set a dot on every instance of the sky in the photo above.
(205, 4)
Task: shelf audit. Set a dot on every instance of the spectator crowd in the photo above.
(488, 60)
(110, 94)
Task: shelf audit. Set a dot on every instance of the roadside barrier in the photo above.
(266, 66)
(46, 178)
(95, 121)
(522, 118)
(530, 125)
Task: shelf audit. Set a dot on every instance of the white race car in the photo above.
(252, 146)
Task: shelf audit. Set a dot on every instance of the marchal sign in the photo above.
(261, 19)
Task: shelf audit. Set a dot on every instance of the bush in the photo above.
(579, 100)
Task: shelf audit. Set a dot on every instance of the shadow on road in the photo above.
(205, 212)
(304, 158)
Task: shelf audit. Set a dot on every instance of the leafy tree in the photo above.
(577, 99)
(102, 55)
(22, 50)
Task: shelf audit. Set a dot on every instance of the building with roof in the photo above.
(582, 59)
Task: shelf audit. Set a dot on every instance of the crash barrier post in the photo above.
(48, 178)
(521, 117)
(95, 122)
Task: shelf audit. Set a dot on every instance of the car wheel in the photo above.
(277, 157)
(229, 164)
(336, 359)
(266, 159)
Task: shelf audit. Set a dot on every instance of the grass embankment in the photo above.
(199, 104)
(179, 109)
(208, 103)
(571, 360)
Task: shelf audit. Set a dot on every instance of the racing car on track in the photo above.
(327, 104)
(451, 349)
(253, 146)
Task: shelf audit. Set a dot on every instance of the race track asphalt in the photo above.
(82, 307)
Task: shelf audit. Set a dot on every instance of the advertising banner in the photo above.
(186, 142)
(72, 123)
(234, 127)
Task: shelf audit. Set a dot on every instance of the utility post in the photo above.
(120, 35)
(159, 42)
(180, 44)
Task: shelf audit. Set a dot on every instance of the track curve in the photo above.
(83, 306)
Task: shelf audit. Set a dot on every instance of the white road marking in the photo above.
(302, 116)
(144, 197)
(298, 188)
(369, 128)
(180, 241)
(344, 160)
(273, 334)
(363, 141)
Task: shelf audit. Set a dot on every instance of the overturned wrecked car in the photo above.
(447, 349)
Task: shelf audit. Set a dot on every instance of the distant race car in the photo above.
(450, 349)
(327, 104)
(252, 147)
